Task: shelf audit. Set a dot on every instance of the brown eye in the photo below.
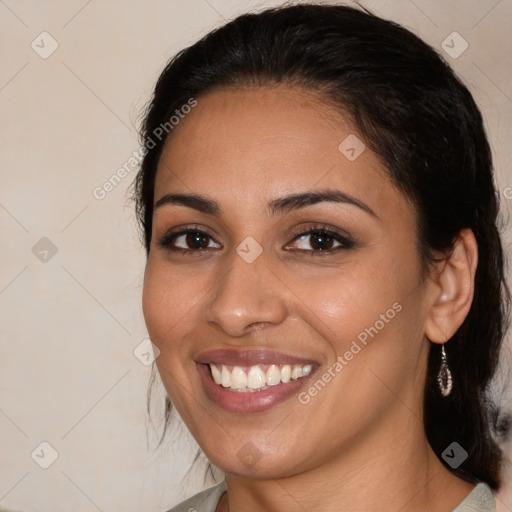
(188, 240)
(321, 240)
(194, 240)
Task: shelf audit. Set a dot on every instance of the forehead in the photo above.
(252, 143)
(259, 114)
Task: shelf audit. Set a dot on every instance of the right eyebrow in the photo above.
(195, 201)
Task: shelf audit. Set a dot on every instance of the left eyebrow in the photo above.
(277, 206)
(301, 200)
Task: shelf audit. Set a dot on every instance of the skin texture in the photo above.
(359, 444)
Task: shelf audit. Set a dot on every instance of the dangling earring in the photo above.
(444, 377)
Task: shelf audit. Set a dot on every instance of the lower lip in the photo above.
(233, 401)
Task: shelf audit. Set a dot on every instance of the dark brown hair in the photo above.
(414, 113)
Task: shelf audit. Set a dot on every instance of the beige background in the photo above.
(69, 325)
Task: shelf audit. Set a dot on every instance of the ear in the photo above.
(454, 281)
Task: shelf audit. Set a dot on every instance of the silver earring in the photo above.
(444, 377)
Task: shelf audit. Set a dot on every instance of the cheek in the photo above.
(353, 299)
(169, 302)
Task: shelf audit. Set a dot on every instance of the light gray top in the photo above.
(480, 499)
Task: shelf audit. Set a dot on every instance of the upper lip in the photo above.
(249, 357)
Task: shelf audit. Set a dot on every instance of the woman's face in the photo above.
(262, 301)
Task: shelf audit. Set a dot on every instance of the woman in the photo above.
(325, 276)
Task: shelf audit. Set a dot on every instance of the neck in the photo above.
(394, 470)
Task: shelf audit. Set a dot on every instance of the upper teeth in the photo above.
(254, 377)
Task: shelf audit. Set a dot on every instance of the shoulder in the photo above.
(480, 499)
(204, 501)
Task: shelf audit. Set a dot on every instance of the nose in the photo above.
(248, 296)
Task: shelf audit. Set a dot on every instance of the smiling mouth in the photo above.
(251, 379)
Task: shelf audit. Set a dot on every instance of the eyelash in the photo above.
(167, 240)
